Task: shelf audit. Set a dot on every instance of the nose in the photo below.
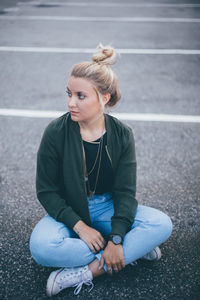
(71, 101)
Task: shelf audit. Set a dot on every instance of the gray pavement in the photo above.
(167, 153)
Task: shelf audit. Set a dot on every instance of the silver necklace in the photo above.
(91, 193)
(99, 154)
(90, 172)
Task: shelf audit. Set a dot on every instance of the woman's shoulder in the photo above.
(57, 125)
(53, 136)
(118, 125)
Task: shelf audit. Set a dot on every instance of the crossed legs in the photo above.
(53, 244)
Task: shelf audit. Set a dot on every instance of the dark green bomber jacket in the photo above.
(60, 183)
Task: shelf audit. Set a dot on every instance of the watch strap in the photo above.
(116, 239)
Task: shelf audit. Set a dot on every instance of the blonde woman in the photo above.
(86, 181)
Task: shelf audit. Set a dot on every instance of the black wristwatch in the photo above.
(116, 239)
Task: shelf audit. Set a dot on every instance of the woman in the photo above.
(86, 181)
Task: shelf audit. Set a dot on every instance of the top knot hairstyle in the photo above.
(100, 74)
(104, 55)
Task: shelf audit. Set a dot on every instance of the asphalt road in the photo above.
(167, 152)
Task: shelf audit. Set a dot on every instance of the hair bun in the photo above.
(105, 55)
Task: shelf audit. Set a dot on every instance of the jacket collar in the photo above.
(76, 126)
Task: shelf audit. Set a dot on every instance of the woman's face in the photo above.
(83, 101)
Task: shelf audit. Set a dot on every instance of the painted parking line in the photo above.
(122, 116)
(101, 19)
(113, 4)
(91, 50)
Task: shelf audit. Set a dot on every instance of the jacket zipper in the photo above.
(84, 165)
(108, 154)
(84, 169)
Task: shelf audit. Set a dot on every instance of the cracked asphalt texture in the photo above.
(168, 175)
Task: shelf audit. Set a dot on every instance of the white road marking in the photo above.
(91, 50)
(122, 116)
(144, 5)
(101, 19)
(158, 117)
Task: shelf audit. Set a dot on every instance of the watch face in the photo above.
(117, 239)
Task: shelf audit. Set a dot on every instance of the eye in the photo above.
(69, 93)
(80, 96)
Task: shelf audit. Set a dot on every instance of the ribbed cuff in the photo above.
(69, 220)
(119, 227)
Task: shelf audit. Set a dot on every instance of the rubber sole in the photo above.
(50, 283)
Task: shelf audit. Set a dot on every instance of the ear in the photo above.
(106, 98)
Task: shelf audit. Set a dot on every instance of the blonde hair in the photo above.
(100, 73)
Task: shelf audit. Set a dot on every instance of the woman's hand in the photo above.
(113, 256)
(90, 236)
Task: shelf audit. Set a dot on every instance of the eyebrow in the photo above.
(77, 91)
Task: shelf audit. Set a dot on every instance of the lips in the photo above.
(74, 112)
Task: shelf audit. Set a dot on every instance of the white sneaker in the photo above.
(133, 263)
(69, 277)
(155, 254)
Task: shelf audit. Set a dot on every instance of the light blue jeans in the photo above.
(53, 244)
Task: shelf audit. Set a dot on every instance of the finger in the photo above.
(119, 267)
(92, 248)
(115, 268)
(109, 267)
(122, 263)
(101, 244)
(96, 246)
(102, 240)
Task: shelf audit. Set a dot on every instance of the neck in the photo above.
(94, 129)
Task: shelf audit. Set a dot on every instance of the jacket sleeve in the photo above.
(124, 192)
(49, 181)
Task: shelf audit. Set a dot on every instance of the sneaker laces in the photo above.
(79, 285)
(133, 263)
